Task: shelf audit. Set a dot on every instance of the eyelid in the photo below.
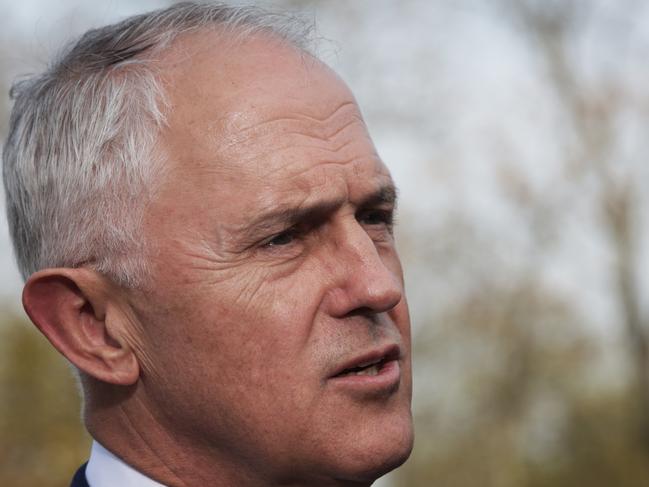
(293, 230)
(387, 214)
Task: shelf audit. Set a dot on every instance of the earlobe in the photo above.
(77, 314)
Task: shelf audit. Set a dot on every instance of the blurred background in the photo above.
(517, 131)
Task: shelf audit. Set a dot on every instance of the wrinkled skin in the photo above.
(255, 302)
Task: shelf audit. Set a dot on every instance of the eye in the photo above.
(376, 217)
(284, 238)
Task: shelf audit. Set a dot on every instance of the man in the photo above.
(206, 232)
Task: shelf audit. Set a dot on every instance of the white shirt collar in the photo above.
(106, 470)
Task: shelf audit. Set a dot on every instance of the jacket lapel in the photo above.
(79, 479)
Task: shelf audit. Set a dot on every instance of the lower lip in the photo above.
(388, 378)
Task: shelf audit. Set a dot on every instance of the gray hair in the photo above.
(79, 164)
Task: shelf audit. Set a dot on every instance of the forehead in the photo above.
(263, 111)
(234, 84)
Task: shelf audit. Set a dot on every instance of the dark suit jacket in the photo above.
(79, 479)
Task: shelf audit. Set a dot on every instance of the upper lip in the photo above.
(383, 354)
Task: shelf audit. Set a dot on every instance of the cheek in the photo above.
(245, 327)
(245, 361)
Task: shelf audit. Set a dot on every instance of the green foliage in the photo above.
(510, 394)
(42, 440)
(599, 448)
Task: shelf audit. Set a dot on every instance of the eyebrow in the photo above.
(288, 216)
(385, 195)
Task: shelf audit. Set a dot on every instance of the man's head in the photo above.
(266, 338)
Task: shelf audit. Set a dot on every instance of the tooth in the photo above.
(371, 362)
(373, 370)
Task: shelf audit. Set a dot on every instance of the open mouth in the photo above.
(370, 365)
(372, 368)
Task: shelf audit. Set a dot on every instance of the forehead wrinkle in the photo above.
(303, 116)
(288, 144)
(295, 124)
(355, 162)
(288, 148)
(346, 146)
(322, 136)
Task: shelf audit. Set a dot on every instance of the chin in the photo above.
(378, 452)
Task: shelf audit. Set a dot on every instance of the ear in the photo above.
(78, 310)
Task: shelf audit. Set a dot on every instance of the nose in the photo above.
(366, 279)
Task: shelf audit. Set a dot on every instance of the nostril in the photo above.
(363, 311)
